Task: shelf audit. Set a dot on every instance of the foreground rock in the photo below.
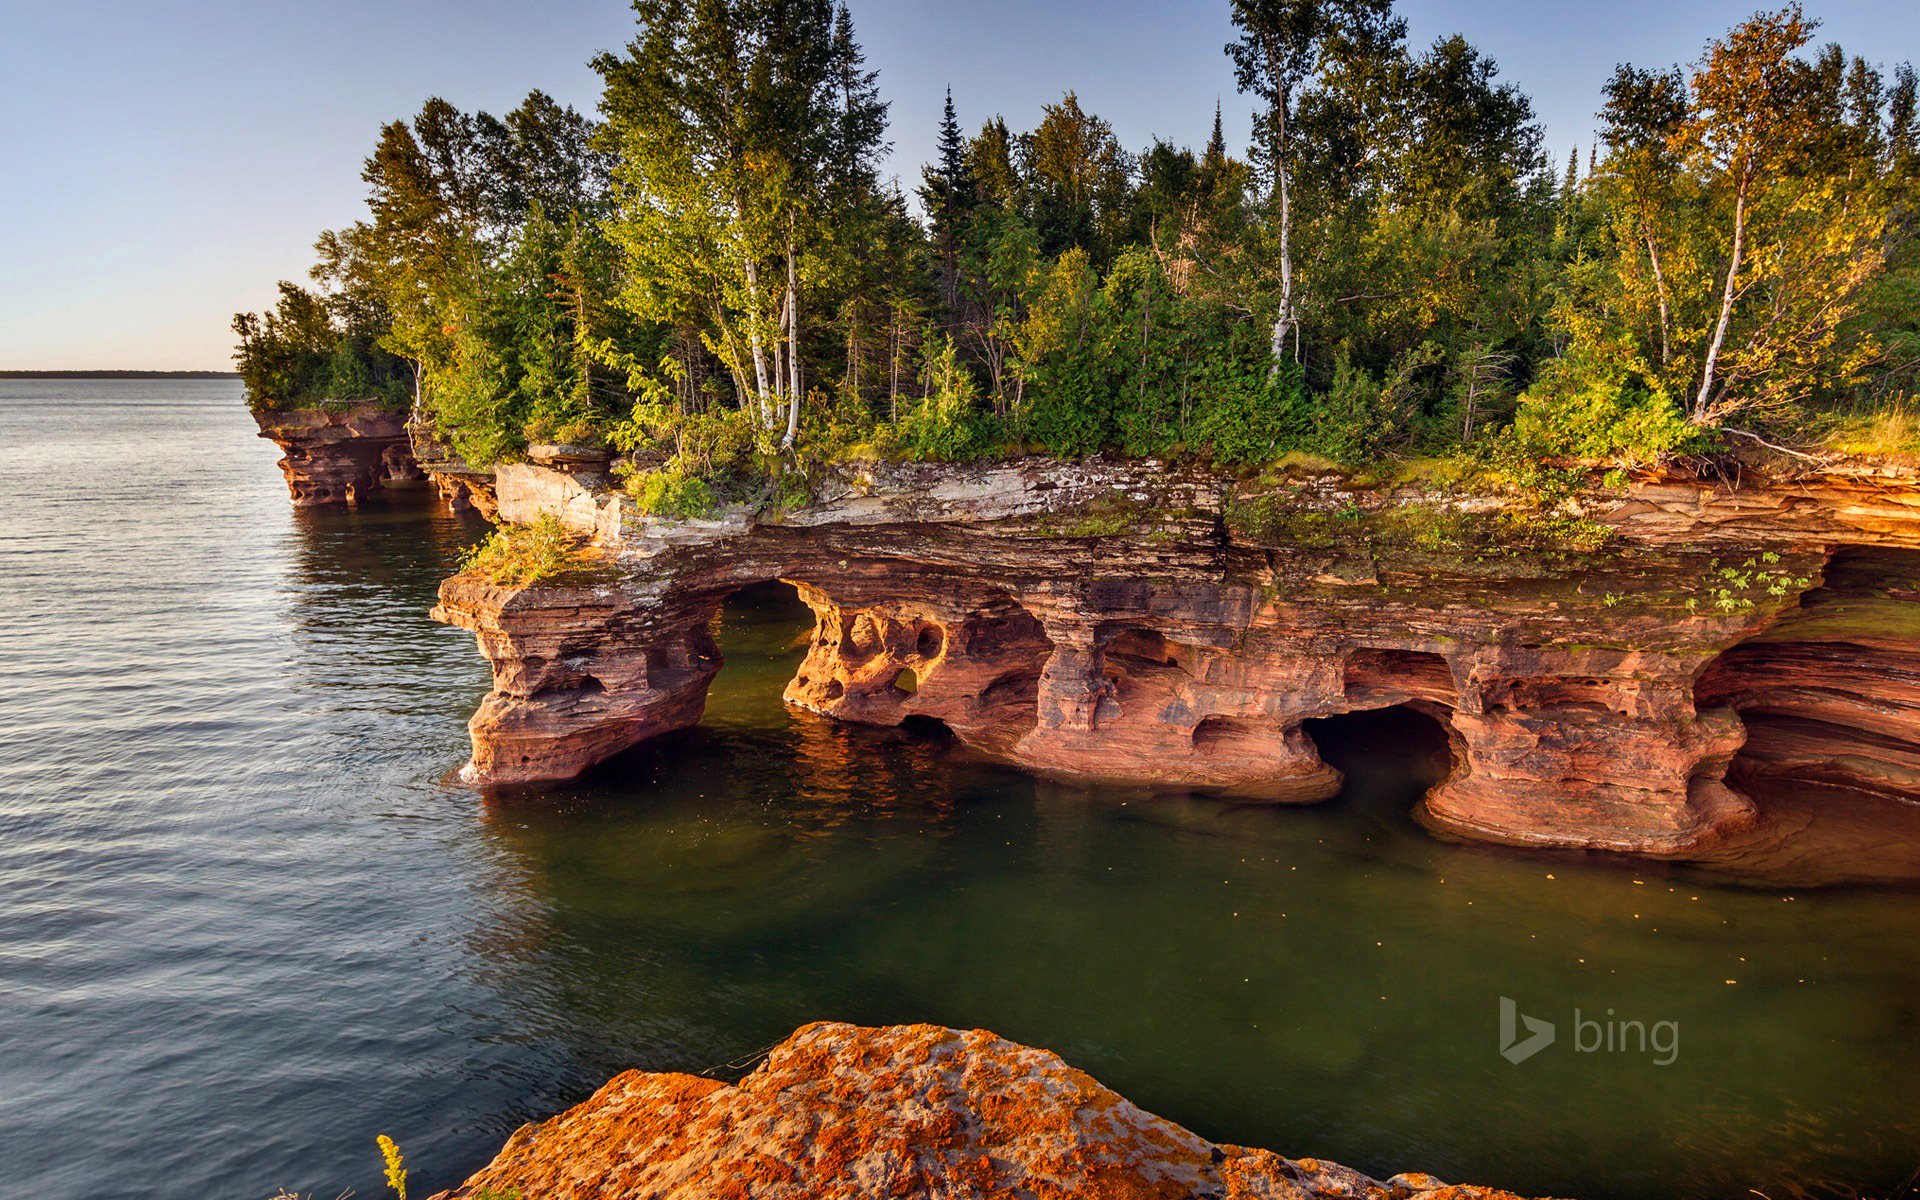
(840, 1111)
(340, 454)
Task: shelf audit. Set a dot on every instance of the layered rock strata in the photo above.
(839, 1112)
(1126, 622)
(464, 487)
(340, 454)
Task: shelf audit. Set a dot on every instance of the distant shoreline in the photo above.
(118, 375)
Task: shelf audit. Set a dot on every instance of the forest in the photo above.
(711, 277)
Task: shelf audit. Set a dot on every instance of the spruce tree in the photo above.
(947, 193)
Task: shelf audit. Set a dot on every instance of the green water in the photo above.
(1324, 981)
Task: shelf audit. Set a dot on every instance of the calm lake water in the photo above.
(244, 927)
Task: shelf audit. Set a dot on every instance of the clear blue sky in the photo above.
(166, 164)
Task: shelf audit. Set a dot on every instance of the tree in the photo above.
(947, 195)
(747, 132)
(1280, 47)
(1748, 124)
(1643, 115)
(1079, 179)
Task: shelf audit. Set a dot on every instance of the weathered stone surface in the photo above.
(839, 1112)
(464, 487)
(339, 454)
(1100, 621)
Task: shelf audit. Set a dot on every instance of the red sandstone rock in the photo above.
(1598, 703)
(464, 487)
(840, 1112)
(339, 455)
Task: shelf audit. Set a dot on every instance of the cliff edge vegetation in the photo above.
(712, 277)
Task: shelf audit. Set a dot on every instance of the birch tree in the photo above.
(745, 131)
(1749, 123)
(1280, 48)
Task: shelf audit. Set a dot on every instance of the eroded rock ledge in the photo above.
(340, 454)
(1126, 622)
(838, 1112)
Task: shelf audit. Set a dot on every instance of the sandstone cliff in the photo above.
(339, 454)
(838, 1112)
(1130, 621)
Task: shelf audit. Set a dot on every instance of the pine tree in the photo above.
(1573, 173)
(947, 192)
(1216, 156)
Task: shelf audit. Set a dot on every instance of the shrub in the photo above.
(947, 424)
(671, 492)
(1599, 406)
(1244, 413)
(538, 552)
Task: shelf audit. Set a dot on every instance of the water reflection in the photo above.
(1317, 979)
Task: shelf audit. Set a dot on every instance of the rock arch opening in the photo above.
(1829, 696)
(1409, 747)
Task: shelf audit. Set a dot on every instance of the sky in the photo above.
(163, 165)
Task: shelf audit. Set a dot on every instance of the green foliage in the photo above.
(1743, 587)
(947, 423)
(521, 555)
(1244, 413)
(1599, 404)
(670, 492)
(299, 354)
(716, 280)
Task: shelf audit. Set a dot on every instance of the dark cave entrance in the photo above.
(761, 633)
(1401, 746)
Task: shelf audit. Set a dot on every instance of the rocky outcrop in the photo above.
(839, 1112)
(339, 454)
(1116, 621)
(464, 487)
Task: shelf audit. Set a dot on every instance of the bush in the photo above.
(1244, 413)
(1360, 419)
(947, 424)
(1602, 407)
(540, 552)
(670, 492)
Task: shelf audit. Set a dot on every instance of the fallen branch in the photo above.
(1802, 455)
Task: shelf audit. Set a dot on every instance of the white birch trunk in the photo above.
(1726, 302)
(793, 349)
(1283, 324)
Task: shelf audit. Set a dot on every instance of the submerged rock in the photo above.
(840, 1111)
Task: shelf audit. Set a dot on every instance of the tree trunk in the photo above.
(1660, 290)
(1726, 300)
(1283, 324)
(754, 343)
(794, 393)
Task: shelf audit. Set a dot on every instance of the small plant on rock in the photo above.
(396, 1165)
(520, 555)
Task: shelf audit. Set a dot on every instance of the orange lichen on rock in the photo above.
(840, 1111)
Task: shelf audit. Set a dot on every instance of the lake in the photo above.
(245, 926)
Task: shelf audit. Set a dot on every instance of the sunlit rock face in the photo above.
(339, 455)
(1114, 622)
(840, 1111)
